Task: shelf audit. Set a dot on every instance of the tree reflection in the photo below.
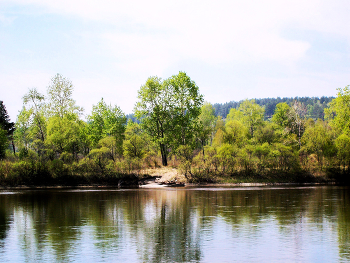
(165, 225)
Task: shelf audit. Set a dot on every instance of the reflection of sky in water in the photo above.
(207, 225)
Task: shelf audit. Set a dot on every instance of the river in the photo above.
(198, 224)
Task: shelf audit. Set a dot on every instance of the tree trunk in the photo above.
(164, 154)
(13, 147)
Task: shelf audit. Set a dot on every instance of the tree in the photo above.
(339, 111)
(319, 140)
(186, 102)
(249, 113)
(63, 134)
(235, 133)
(135, 144)
(6, 124)
(106, 120)
(281, 115)
(22, 133)
(297, 116)
(169, 110)
(207, 121)
(36, 104)
(343, 147)
(60, 97)
(3, 143)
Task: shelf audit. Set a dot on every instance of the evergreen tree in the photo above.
(6, 124)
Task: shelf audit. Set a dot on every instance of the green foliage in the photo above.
(109, 143)
(235, 133)
(343, 149)
(207, 123)
(5, 122)
(168, 111)
(135, 143)
(249, 113)
(281, 115)
(266, 133)
(23, 134)
(226, 155)
(315, 106)
(3, 143)
(56, 147)
(106, 120)
(60, 93)
(63, 134)
(34, 114)
(338, 112)
(186, 102)
(319, 140)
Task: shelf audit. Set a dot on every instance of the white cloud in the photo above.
(147, 38)
(213, 32)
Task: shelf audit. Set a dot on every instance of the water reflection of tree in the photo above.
(343, 224)
(166, 225)
(163, 226)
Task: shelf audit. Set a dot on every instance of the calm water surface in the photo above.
(294, 224)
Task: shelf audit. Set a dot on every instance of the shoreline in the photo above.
(161, 186)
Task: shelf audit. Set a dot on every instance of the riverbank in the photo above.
(162, 177)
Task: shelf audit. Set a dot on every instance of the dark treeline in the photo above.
(315, 106)
(50, 143)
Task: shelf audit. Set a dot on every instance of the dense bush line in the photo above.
(51, 144)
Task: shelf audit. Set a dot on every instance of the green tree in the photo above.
(106, 120)
(318, 140)
(135, 144)
(63, 134)
(207, 121)
(186, 102)
(169, 110)
(35, 103)
(3, 143)
(6, 124)
(266, 133)
(281, 115)
(22, 133)
(60, 93)
(153, 110)
(227, 157)
(343, 149)
(339, 111)
(249, 113)
(297, 117)
(235, 133)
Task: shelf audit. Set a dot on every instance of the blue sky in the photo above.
(233, 50)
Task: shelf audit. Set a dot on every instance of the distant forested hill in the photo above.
(314, 105)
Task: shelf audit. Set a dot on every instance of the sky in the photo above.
(233, 50)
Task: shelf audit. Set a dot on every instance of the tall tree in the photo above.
(169, 110)
(153, 110)
(35, 103)
(6, 124)
(186, 102)
(3, 143)
(318, 139)
(60, 97)
(249, 113)
(135, 143)
(207, 121)
(339, 111)
(297, 116)
(63, 134)
(106, 120)
(281, 115)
